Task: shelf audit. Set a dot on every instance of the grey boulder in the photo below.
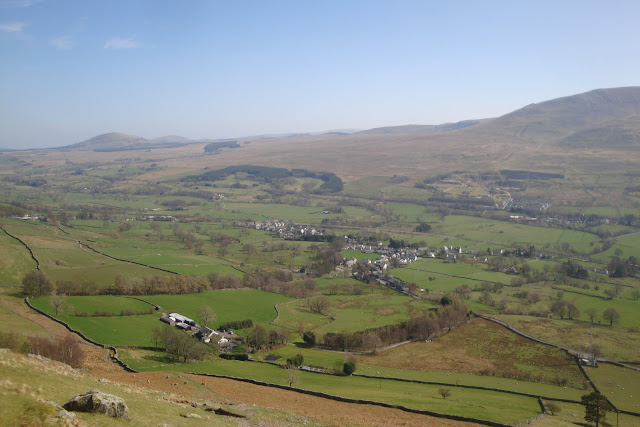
(98, 402)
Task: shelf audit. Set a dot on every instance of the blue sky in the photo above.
(70, 70)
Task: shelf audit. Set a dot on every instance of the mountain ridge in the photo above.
(598, 118)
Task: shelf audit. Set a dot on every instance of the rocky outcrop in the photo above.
(98, 402)
(61, 413)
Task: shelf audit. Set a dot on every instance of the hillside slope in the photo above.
(584, 116)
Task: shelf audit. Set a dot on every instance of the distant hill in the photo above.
(116, 141)
(171, 139)
(418, 129)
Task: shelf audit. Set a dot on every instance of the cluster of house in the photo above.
(284, 229)
(399, 256)
(541, 205)
(202, 333)
(27, 217)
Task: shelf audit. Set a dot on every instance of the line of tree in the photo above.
(573, 269)
(259, 338)
(331, 183)
(238, 324)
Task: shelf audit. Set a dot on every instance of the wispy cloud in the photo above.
(63, 42)
(12, 27)
(121, 43)
(18, 3)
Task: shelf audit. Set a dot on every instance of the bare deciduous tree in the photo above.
(58, 302)
(612, 315)
(206, 315)
(318, 304)
(444, 392)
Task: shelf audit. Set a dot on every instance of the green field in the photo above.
(435, 274)
(506, 233)
(352, 313)
(15, 261)
(620, 385)
(229, 305)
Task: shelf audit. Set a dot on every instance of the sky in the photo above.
(71, 70)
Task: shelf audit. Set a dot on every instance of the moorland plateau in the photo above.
(481, 272)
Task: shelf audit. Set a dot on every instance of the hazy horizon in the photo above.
(72, 70)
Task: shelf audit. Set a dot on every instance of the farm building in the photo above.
(205, 334)
(168, 320)
(182, 326)
(183, 319)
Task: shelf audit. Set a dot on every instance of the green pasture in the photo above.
(128, 201)
(612, 229)
(359, 255)
(117, 330)
(312, 356)
(15, 261)
(205, 269)
(456, 378)
(604, 211)
(446, 276)
(228, 304)
(572, 414)
(342, 285)
(503, 232)
(298, 214)
(629, 245)
(14, 322)
(472, 403)
(90, 304)
(406, 192)
(352, 313)
(136, 330)
(629, 310)
(409, 212)
(368, 187)
(620, 385)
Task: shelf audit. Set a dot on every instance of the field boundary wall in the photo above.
(125, 260)
(25, 245)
